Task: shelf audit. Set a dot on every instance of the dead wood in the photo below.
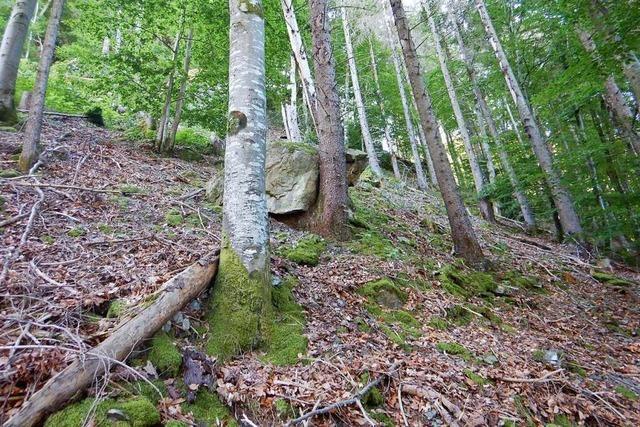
(72, 381)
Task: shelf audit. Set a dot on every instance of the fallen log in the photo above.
(72, 381)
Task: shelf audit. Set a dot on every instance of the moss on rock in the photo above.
(307, 251)
(164, 355)
(466, 284)
(239, 308)
(139, 411)
(384, 292)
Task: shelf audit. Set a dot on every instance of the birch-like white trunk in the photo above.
(162, 133)
(290, 110)
(13, 40)
(297, 46)
(357, 94)
(464, 239)
(485, 112)
(346, 112)
(387, 126)
(411, 133)
(241, 294)
(31, 137)
(561, 198)
(486, 208)
(182, 93)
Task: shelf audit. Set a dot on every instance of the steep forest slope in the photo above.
(541, 338)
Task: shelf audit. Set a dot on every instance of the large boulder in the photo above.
(292, 176)
(356, 163)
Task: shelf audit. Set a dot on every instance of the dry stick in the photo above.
(353, 400)
(404, 415)
(73, 187)
(543, 379)
(12, 220)
(73, 380)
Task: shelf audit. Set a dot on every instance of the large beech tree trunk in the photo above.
(15, 34)
(69, 384)
(31, 137)
(387, 126)
(295, 38)
(411, 133)
(486, 208)
(357, 94)
(561, 198)
(464, 239)
(523, 201)
(329, 216)
(182, 93)
(241, 301)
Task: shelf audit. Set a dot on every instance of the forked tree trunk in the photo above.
(357, 94)
(561, 198)
(411, 133)
(162, 133)
(297, 45)
(31, 137)
(330, 212)
(486, 208)
(464, 239)
(523, 201)
(387, 125)
(241, 300)
(182, 93)
(13, 40)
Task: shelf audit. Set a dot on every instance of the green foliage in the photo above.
(192, 138)
(164, 355)
(306, 251)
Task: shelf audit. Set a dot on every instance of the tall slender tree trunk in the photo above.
(162, 133)
(485, 112)
(486, 207)
(455, 160)
(13, 40)
(561, 198)
(632, 73)
(297, 45)
(622, 114)
(464, 239)
(291, 109)
(182, 93)
(357, 94)
(346, 112)
(31, 137)
(411, 133)
(34, 19)
(387, 125)
(240, 302)
(329, 217)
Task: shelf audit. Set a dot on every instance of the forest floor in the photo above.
(542, 338)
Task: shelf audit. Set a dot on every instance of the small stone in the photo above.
(167, 326)
(490, 359)
(503, 291)
(552, 357)
(276, 281)
(185, 325)
(195, 305)
(178, 318)
(341, 303)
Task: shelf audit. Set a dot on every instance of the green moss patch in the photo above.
(307, 251)
(129, 190)
(139, 412)
(9, 173)
(164, 355)
(286, 335)
(373, 243)
(478, 379)
(466, 284)
(454, 349)
(208, 409)
(116, 309)
(626, 392)
(612, 280)
(384, 292)
(374, 397)
(239, 308)
(76, 232)
(173, 218)
(437, 322)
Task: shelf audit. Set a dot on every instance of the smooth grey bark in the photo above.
(297, 46)
(31, 137)
(485, 205)
(455, 160)
(411, 133)
(485, 112)
(13, 40)
(182, 93)
(290, 110)
(465, 241)
(561, 198)
(241, 300)
(387, 127)
(346, 113)
(330, 214)
(622, 114)
(357, 94)
(632, 73)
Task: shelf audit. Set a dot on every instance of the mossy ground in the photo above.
(239, 308)
(454, 349)
(208, 409)
(164, 355)
(306, 252)
(286, 335)
(612, 280)
(140, 412)
(466, 284)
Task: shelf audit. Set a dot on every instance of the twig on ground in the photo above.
(13, 220)
(543, 379)
(404, 415)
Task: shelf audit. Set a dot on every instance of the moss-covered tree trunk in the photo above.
(240, 302)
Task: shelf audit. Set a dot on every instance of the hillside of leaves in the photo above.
(540, 338)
